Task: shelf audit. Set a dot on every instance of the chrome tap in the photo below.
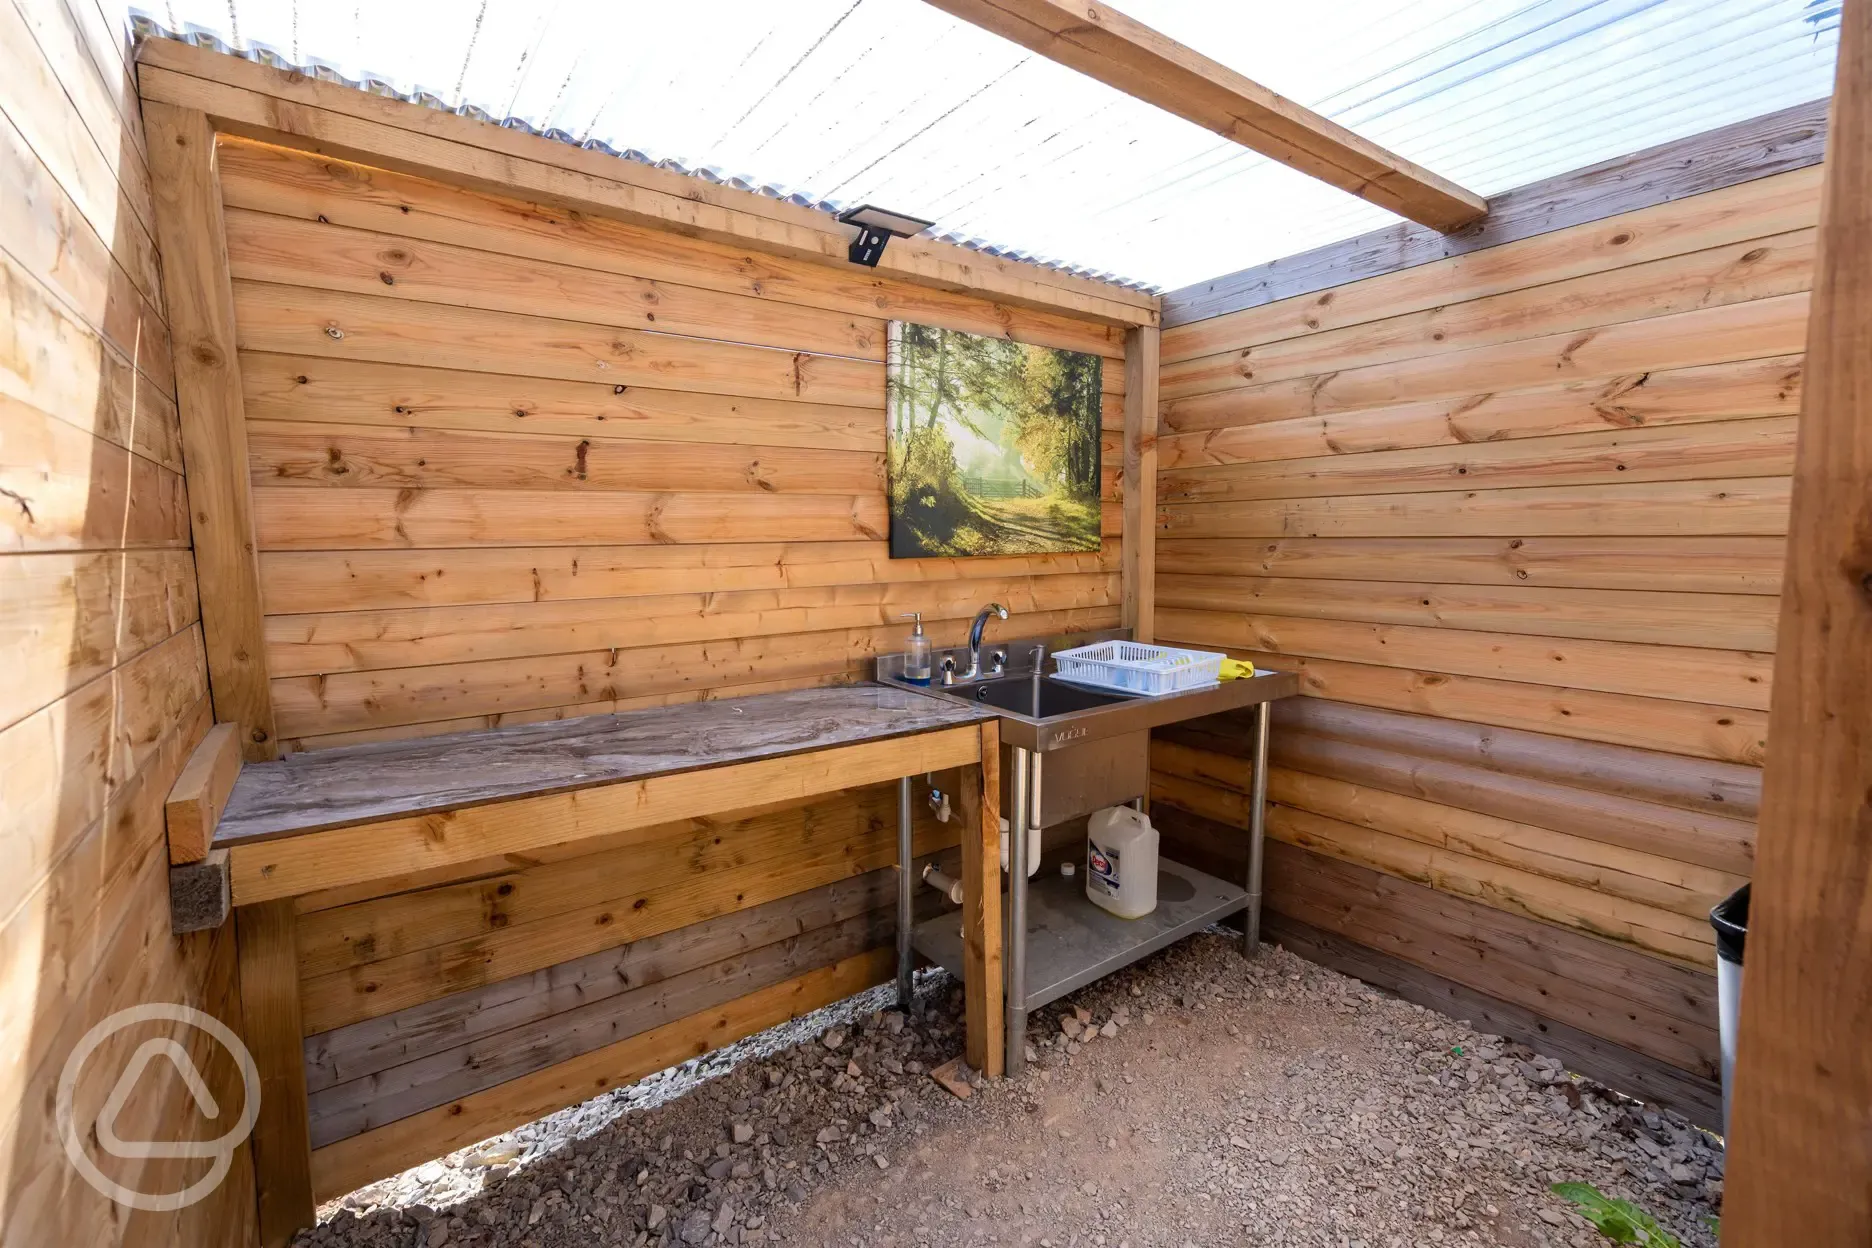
(975, 636)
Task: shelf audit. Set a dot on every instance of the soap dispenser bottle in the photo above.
(916, 651)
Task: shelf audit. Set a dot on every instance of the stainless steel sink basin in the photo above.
(1042, 713)
(1038, 697)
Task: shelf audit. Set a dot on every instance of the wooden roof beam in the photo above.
(1103, 43)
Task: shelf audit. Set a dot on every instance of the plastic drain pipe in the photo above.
(945, 884)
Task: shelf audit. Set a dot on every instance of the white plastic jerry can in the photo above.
(1121, 862)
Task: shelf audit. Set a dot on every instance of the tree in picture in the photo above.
(993, 446)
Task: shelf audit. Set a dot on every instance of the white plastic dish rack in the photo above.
(1135, 667)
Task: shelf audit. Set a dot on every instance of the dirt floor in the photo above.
(1196, 1099)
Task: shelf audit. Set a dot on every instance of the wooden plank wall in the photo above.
(511, 462)
(106, 690)
(438, 1012)
(1516, 517)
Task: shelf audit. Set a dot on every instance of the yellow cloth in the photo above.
(1236, 669)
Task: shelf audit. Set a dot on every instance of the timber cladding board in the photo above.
(1653, 1006)
(108, 690)
(300, 645)
(1649, 399)
(376, 956)
(343, 1055)
(1714, 621)
(1723, 733)
(341, 1167)
(1717, 565)
(1762, 447)
(331, 325)
(682, 439)
(1360, 746)
(1755, 268)
(281, 182)
(1522, 872)
(1678, 673)
(400, 699)
(390, 1067)
(1361, 788)
(1516, 518)
(101, 391)
(301, 583)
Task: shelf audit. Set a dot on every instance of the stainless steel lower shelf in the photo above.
(1071, 942)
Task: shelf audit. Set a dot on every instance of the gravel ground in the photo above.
(1193, 1100)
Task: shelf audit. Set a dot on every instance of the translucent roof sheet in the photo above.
(897, 103)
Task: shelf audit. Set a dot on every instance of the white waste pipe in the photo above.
(1033, 847)
(947, 885)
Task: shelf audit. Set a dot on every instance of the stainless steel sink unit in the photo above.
(1068, 750)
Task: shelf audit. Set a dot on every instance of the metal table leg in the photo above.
(1257, 826)
(906, 886)
(1015, 947)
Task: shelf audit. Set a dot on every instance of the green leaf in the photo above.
(1618, 1220)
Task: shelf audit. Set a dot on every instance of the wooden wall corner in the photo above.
(193, 238)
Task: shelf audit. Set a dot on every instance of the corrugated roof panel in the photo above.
(897, 103)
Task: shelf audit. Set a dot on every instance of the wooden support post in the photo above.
(1801, 1166)
(1140, 483)
(268, 937)
(980, 795)
(193, 238)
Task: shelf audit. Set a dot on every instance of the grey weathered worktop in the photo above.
(356, 784)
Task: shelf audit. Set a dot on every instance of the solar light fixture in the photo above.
(877, 226)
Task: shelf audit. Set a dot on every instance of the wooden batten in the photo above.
(214, 428)
(201, 793)
(1141, 481)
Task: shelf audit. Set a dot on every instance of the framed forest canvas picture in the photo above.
(993, 445)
